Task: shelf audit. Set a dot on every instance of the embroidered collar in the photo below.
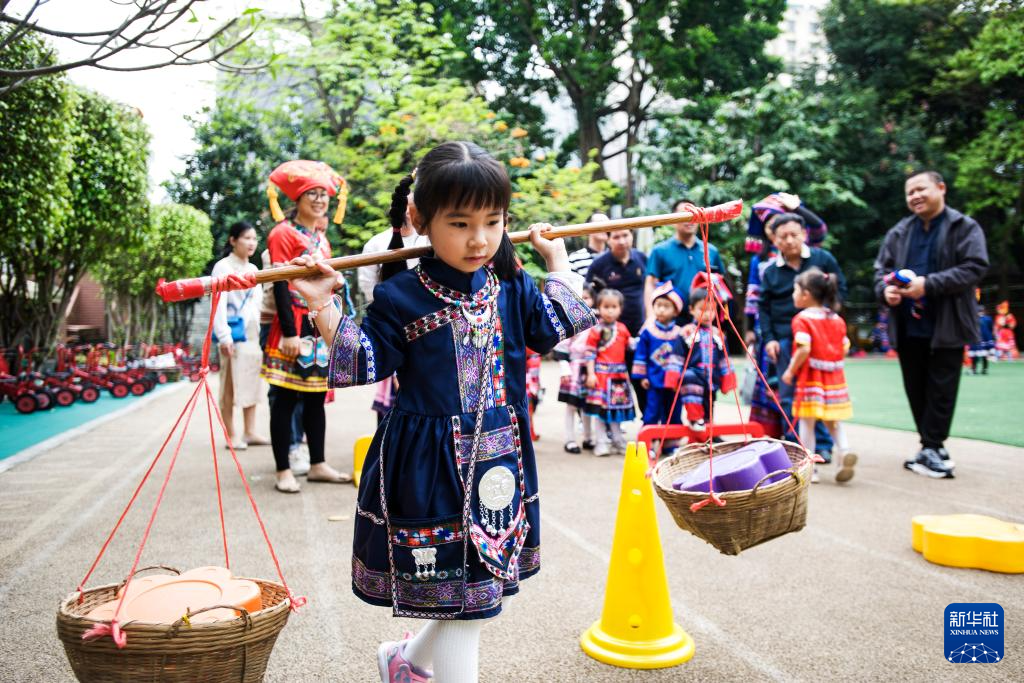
(805, 253)
(692, 333)
(312, 237)
(442, 273)
(660, 331)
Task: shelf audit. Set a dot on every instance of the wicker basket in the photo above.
(749, 517)
(235, 650)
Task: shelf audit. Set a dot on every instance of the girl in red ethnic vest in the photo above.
(820, 345)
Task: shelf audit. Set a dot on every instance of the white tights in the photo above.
(570, 423)
(451, 646)
(835, 429)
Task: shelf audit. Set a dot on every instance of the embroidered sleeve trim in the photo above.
(802, 338)
(557, 290)
(552, 316)
(371, 366)
(343, 368)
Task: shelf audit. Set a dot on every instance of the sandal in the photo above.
(571, 447)
(288, 486)
(331, 476)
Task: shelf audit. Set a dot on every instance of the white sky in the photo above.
(165, 96)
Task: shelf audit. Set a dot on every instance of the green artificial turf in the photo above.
(988, 407)
(21, 431)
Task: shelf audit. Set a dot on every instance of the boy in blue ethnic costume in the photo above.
(706, 368)
(659, 354)
(448, 515)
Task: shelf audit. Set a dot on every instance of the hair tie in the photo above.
(826, 276)
(413, 174)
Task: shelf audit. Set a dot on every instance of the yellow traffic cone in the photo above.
(636, 630)
(358, 456)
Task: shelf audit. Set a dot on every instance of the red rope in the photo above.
(296, 601)
(216, 470)
(703, 218)
(113, 628)
(135, 495)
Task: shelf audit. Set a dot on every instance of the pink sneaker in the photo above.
(393, 666)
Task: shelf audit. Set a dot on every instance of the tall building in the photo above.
(801, 41)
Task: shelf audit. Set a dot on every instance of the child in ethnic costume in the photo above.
(448, 515)
(609, 395)
(707, 369)
(294, 358)
(659, 356)
(1006, 336)
(820, 345)
(983, 349)
(571, 355)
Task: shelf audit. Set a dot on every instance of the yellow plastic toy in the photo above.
(636, 630)
(972, 541)
(358, 456)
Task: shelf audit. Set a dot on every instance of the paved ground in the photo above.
(845, 599)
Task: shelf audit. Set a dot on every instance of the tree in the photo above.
(991, 164)
(90, 153)
(35, 127)
(153, 27)
(238, 146)
(365, 82)
(374, 160)
(176, 243)
(617, 62)
(951, 69)
(831, 148)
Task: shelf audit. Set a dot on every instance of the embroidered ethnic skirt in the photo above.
(305, 372)
(821, 392)
(612, 398)
(426, 564)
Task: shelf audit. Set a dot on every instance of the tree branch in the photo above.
(156, 16)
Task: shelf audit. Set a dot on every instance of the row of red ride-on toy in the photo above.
(80, 373)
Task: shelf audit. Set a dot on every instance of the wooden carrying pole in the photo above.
(180, 290)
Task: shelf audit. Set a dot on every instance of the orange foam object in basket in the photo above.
(165, 598)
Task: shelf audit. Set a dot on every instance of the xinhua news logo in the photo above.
(974, 633)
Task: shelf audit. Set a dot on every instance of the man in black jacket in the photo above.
(934, 315)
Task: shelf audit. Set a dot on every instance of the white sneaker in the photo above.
(814, 475)
(298, 460)
(238, 445)
(602, 449)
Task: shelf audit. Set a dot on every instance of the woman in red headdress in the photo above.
(294, 358)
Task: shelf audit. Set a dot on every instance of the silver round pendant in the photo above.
(497, 488)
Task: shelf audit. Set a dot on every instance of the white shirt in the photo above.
(244, 303)
(368, 276)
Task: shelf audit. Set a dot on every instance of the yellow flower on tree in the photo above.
(490, 115)
(518, 132)
(501, 126)
(407, 118)
(519, 162)
(387, 129)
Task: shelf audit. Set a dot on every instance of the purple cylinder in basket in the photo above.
(739, 470)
